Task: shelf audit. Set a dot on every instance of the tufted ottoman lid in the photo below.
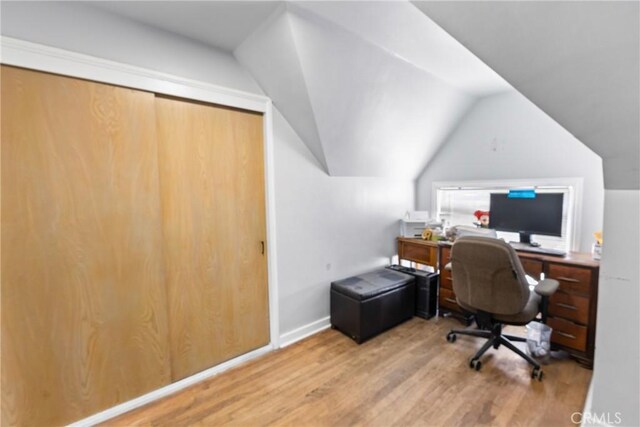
(368, 285)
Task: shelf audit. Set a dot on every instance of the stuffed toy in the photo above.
(483, 218)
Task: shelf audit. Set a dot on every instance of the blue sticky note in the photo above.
(522, 194)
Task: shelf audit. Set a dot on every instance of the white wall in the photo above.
(327, 228)
(616, 371)
(505, 136)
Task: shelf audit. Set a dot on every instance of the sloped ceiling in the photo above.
(578, 61)
(373, 88)
(272, 56)
(223, 24)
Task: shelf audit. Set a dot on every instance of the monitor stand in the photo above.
(525, 242)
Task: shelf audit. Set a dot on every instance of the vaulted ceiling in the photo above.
(577, 61)
(374, 88)
(223, 24)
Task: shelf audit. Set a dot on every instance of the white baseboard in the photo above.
(587, 404)
(122, 408)
(303, 332)
(285, 340)
(593, 420)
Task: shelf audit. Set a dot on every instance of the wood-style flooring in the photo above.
(409, 375)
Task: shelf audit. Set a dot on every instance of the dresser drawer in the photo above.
(572, 279)
(447, 299)
(445, 254)
(569, 306)
(445, 280)
(568, 333)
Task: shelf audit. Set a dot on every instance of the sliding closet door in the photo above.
(83, 302)
(213, 212)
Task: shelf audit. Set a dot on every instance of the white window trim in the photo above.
(59, 61)
(575, 185)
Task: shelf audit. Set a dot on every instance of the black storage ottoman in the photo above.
(365, 305)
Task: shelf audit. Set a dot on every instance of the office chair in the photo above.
(489, 281)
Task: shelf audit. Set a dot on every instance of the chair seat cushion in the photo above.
(528, 313)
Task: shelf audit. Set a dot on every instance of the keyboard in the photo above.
(537, 250)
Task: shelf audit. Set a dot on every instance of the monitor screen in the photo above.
(541, 214)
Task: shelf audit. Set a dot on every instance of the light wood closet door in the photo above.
(84, 323)
(213, 211)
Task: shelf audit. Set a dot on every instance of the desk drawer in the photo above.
(447, 299)
(419, 253)
(445, 280)
(569, 306)
(568, 333)
(572, 279)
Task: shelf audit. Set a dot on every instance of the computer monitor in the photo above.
(538, 213)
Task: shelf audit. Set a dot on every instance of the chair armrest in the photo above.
(448, 266)
(546, 287)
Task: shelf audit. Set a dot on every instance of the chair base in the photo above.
(495, 338)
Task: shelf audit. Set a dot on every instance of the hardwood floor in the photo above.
(409, 375)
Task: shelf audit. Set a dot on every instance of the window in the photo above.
(456, 203)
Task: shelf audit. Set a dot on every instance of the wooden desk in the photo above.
(417, 250)
(572, 309)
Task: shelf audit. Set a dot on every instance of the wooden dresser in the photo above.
(572, 309)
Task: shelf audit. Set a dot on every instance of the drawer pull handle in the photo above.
(568, 279)
(567, 306)
(451, 300)
(573, 337)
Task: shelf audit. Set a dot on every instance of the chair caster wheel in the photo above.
(451, 337)
(475, 364)
(537, 374)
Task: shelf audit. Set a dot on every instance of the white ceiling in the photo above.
(398, 28)
(362, 109)
(578, 61)
(223, 24)
(373, 88)
(272, 56)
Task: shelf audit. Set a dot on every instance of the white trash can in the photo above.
(539, 341)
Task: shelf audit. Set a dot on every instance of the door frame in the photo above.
(44, 58)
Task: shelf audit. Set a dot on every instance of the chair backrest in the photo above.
(488, 276)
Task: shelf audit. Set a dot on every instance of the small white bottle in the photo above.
(596, 251)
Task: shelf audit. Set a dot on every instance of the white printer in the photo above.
(413, 223)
